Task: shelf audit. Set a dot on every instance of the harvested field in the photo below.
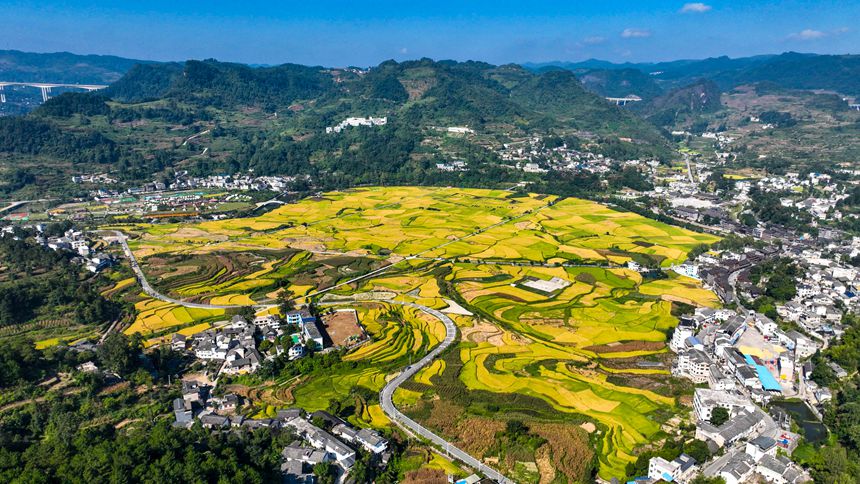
(342, 327)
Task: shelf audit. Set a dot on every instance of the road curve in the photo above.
(149, 290)
(387, 394)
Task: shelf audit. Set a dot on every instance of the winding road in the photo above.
(386, 396)
(387, 393)
(149, 290)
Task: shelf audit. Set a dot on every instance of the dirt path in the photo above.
(544, 465)
(21, 403)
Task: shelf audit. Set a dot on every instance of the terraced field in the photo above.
(410, 220)
(399, 333)
(562, 358)
(158, 318)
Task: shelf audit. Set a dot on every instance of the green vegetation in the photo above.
(670, 450)
(719, 416)
(683, 105)
(767, 208)
(149, 451)
(40, 288)
(550, 360)
(619, 82)
(272, 120)
(836, 460)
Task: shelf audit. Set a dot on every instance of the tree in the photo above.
(701, 479)
(119, 352)
(719, 416)
(248, 313)
(325, 473)
(515, 428)
(19, 361)
(698, 450)
(285, 301)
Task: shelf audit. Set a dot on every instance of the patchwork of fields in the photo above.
(411, 220)
(565, 358)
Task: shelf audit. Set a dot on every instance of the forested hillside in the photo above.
(62, 67)
(619, 82)
(794, 70)
(681, 105)
(38, 283)
(273, 120)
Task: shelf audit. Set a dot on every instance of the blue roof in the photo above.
(749, 359)
(695, 341)
(768, 382)
(668, 477)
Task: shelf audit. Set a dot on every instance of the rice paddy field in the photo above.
(565, 358)
(158, 318)
(413, 220)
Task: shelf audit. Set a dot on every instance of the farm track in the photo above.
(151, 291)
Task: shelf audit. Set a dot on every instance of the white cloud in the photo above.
(696, 7)
(594, 40)
(807, 34)
(635, 33)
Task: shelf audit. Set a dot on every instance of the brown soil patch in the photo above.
(523, 225)
(544, 465)
(570, 451)
(477, 435)
(627, 346)
(115, 388)
(343, 327)
(474, 435)
(548, 322)
(426, 476)
(125, 422)
(633, 363)
(483, 332)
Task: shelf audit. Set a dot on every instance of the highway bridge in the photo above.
(46, 87)
(621, 101)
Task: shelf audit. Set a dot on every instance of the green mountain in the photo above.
(620, 83)
(62, 67)
(425, 92)
(220, 84)
(681, 105)
(840, 73)
(273, 120)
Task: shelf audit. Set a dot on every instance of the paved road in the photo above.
(689, 169)
(148, 289)
(15, 204)
(387, 394)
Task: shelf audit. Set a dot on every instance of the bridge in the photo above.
(621, 101)
(46, 87)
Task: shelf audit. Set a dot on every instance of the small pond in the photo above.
(812, 429)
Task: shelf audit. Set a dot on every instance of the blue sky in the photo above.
(336, 33)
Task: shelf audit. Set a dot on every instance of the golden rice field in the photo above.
(397, 332)
(552, 347)
(411, 220)
(156, 316)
